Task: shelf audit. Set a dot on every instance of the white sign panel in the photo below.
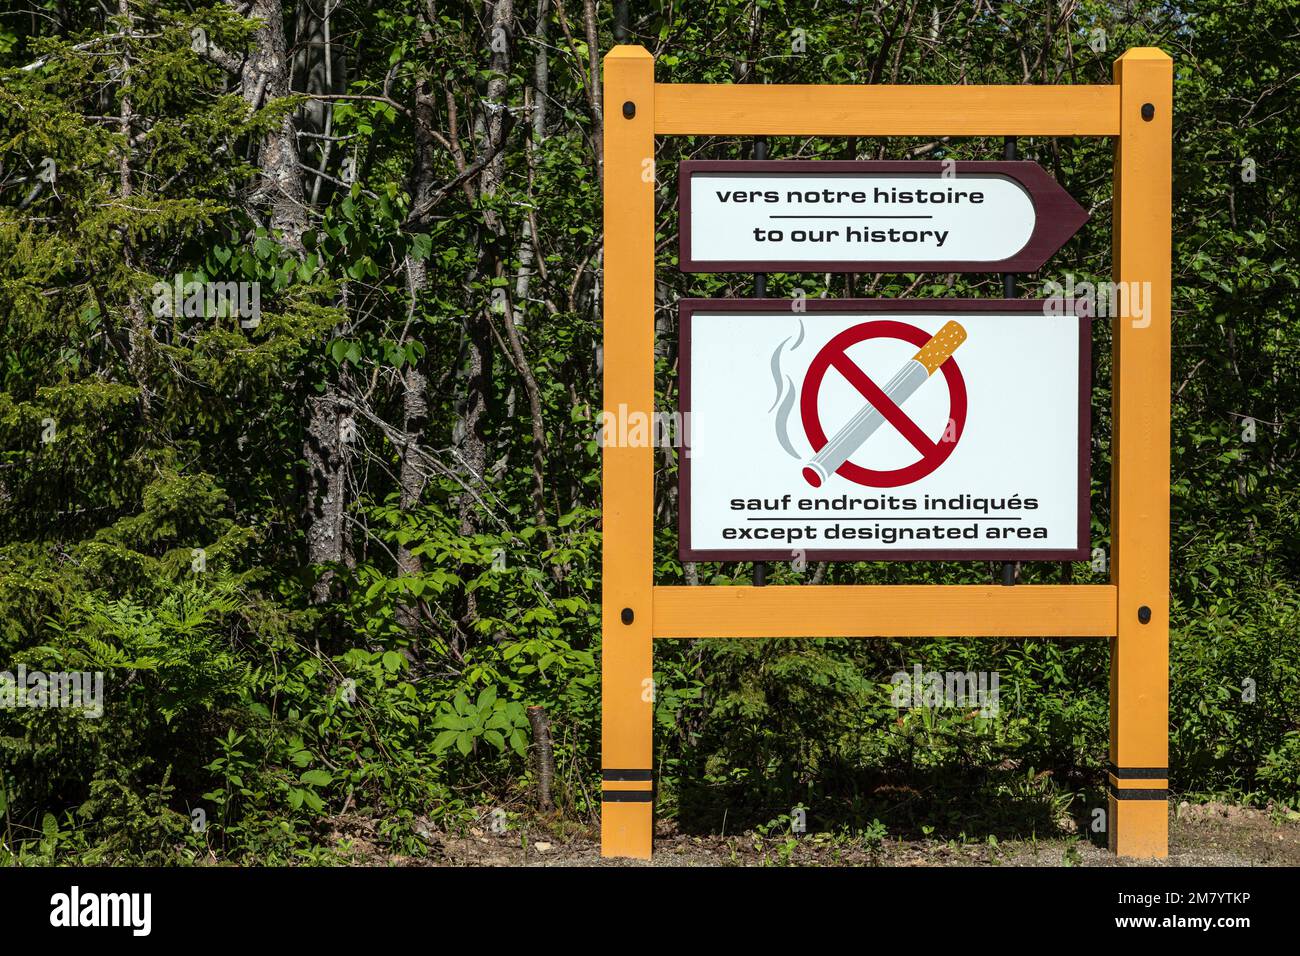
(880, 429)
(867, 216)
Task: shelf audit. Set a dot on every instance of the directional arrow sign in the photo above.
(823, 216)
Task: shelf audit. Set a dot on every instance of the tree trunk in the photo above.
(323, 450)
(492, 128)
(415, 411)
(523, 283)
(139, 327)
(545, 756)
(264, 74)
(415, 386)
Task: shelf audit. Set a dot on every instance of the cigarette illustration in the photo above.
(899, 389)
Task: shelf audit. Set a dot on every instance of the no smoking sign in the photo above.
(882, 405)
(878, 429)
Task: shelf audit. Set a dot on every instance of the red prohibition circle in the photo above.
(834, 353)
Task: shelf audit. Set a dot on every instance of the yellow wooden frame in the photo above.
(1132, 610)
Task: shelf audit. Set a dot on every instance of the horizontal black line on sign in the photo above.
(830, 216)
(1140, 773)
(1119, 794)
(627, 796)
(875, 518)
(627, 774)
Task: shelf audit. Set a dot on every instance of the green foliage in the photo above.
(464, 724)
(154, 472)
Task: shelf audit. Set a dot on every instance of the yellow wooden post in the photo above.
(1138, 821)
(627, 612)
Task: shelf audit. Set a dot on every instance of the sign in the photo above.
(917, 365)
(884, 429)
(825, 216)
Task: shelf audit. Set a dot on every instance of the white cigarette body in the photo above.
(898, 389)
(863, 425)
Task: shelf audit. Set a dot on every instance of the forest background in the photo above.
(337, 557)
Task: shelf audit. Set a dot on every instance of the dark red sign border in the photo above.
(686, 316)
(1057, 216)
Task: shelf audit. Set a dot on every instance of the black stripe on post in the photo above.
(1139, 773)
(627, 796)
(627, 774)
(1119, 794)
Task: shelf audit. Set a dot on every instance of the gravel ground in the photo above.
(1199, 835)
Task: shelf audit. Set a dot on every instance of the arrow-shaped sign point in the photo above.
(1057, 217)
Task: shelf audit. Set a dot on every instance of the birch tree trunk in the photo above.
(415, 387)
(265, 76)
(491, 127)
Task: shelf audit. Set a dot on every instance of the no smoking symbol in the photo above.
(832, 456)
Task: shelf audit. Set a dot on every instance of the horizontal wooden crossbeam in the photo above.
(919, 610)
(776, 110)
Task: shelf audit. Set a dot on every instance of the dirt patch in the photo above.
(1199, 835)
(1217, 834)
